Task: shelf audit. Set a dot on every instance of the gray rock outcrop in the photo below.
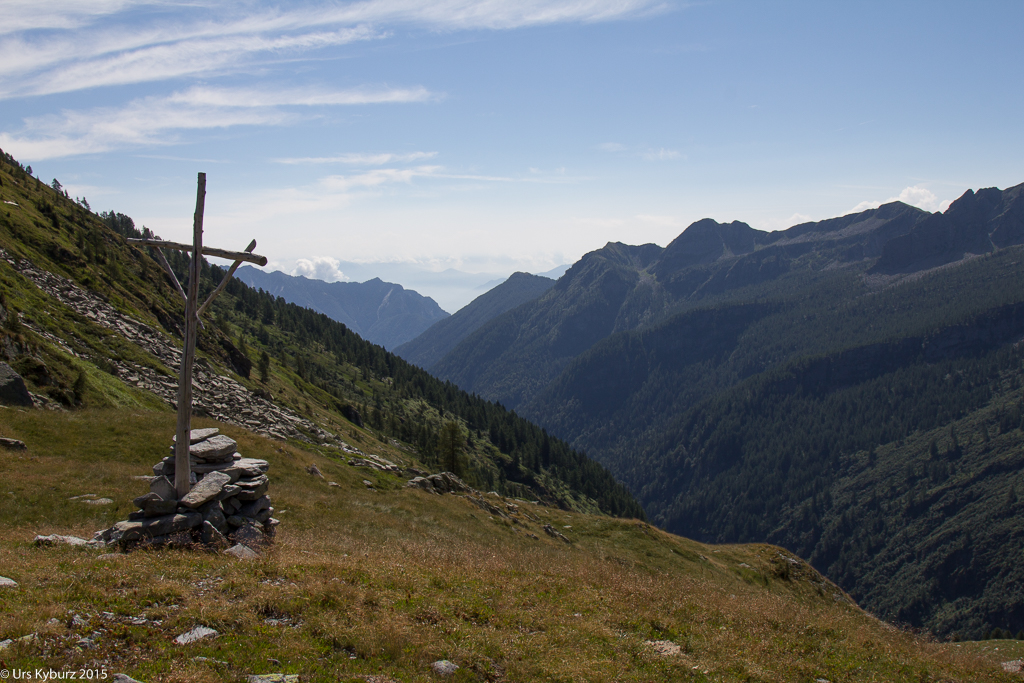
(445, 482)
(13, 391)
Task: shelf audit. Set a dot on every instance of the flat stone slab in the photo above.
(196, 634)
(7, 583)
(208, 488)
(232, 469)
(272, 678)
(197, 435)
(136, 530)
(252, 483)
(55, 539)
(215, 448)
(242, 552)
(163, 487)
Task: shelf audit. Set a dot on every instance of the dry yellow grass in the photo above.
(380, 583)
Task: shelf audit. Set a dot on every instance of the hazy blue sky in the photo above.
(498, 136)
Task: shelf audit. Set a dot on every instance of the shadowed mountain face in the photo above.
(428, 348)
(622, 287)
(851, 389)
(380, 312)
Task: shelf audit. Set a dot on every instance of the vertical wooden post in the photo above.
(182, 466)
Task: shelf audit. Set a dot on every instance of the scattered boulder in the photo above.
(13, 444)
(196, 634)
(272, 678)
(665, 648)
(7, 583)
(13, 391)
(444, 668)
(123, 678)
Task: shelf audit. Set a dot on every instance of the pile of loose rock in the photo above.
(228, 503)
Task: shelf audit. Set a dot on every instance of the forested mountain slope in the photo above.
(789, 387)
(622, 287)
(380, 312)
(90, 321)
(433, 344)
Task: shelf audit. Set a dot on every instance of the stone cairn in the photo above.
(228, 504)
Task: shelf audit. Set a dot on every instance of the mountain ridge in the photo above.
(381, 312)
(694, 351)
(441, 337)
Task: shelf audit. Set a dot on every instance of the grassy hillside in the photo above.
(787, 409)
(376, 584)
(90, 321)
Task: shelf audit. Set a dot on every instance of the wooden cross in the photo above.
(182, 466)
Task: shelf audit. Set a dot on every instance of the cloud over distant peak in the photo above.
(320, 268)
(917, 195)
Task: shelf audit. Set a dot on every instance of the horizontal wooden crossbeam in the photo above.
(207, 251)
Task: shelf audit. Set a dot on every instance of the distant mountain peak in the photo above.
(381, 312)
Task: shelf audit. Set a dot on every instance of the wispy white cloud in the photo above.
(375, 178)
(25, 15)
(647, 154)
(305, 97)
(158, 120)
(85, 47)
(60, 65)
(918, 196)
(320, 268)
(661, 154)
(361, 159)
